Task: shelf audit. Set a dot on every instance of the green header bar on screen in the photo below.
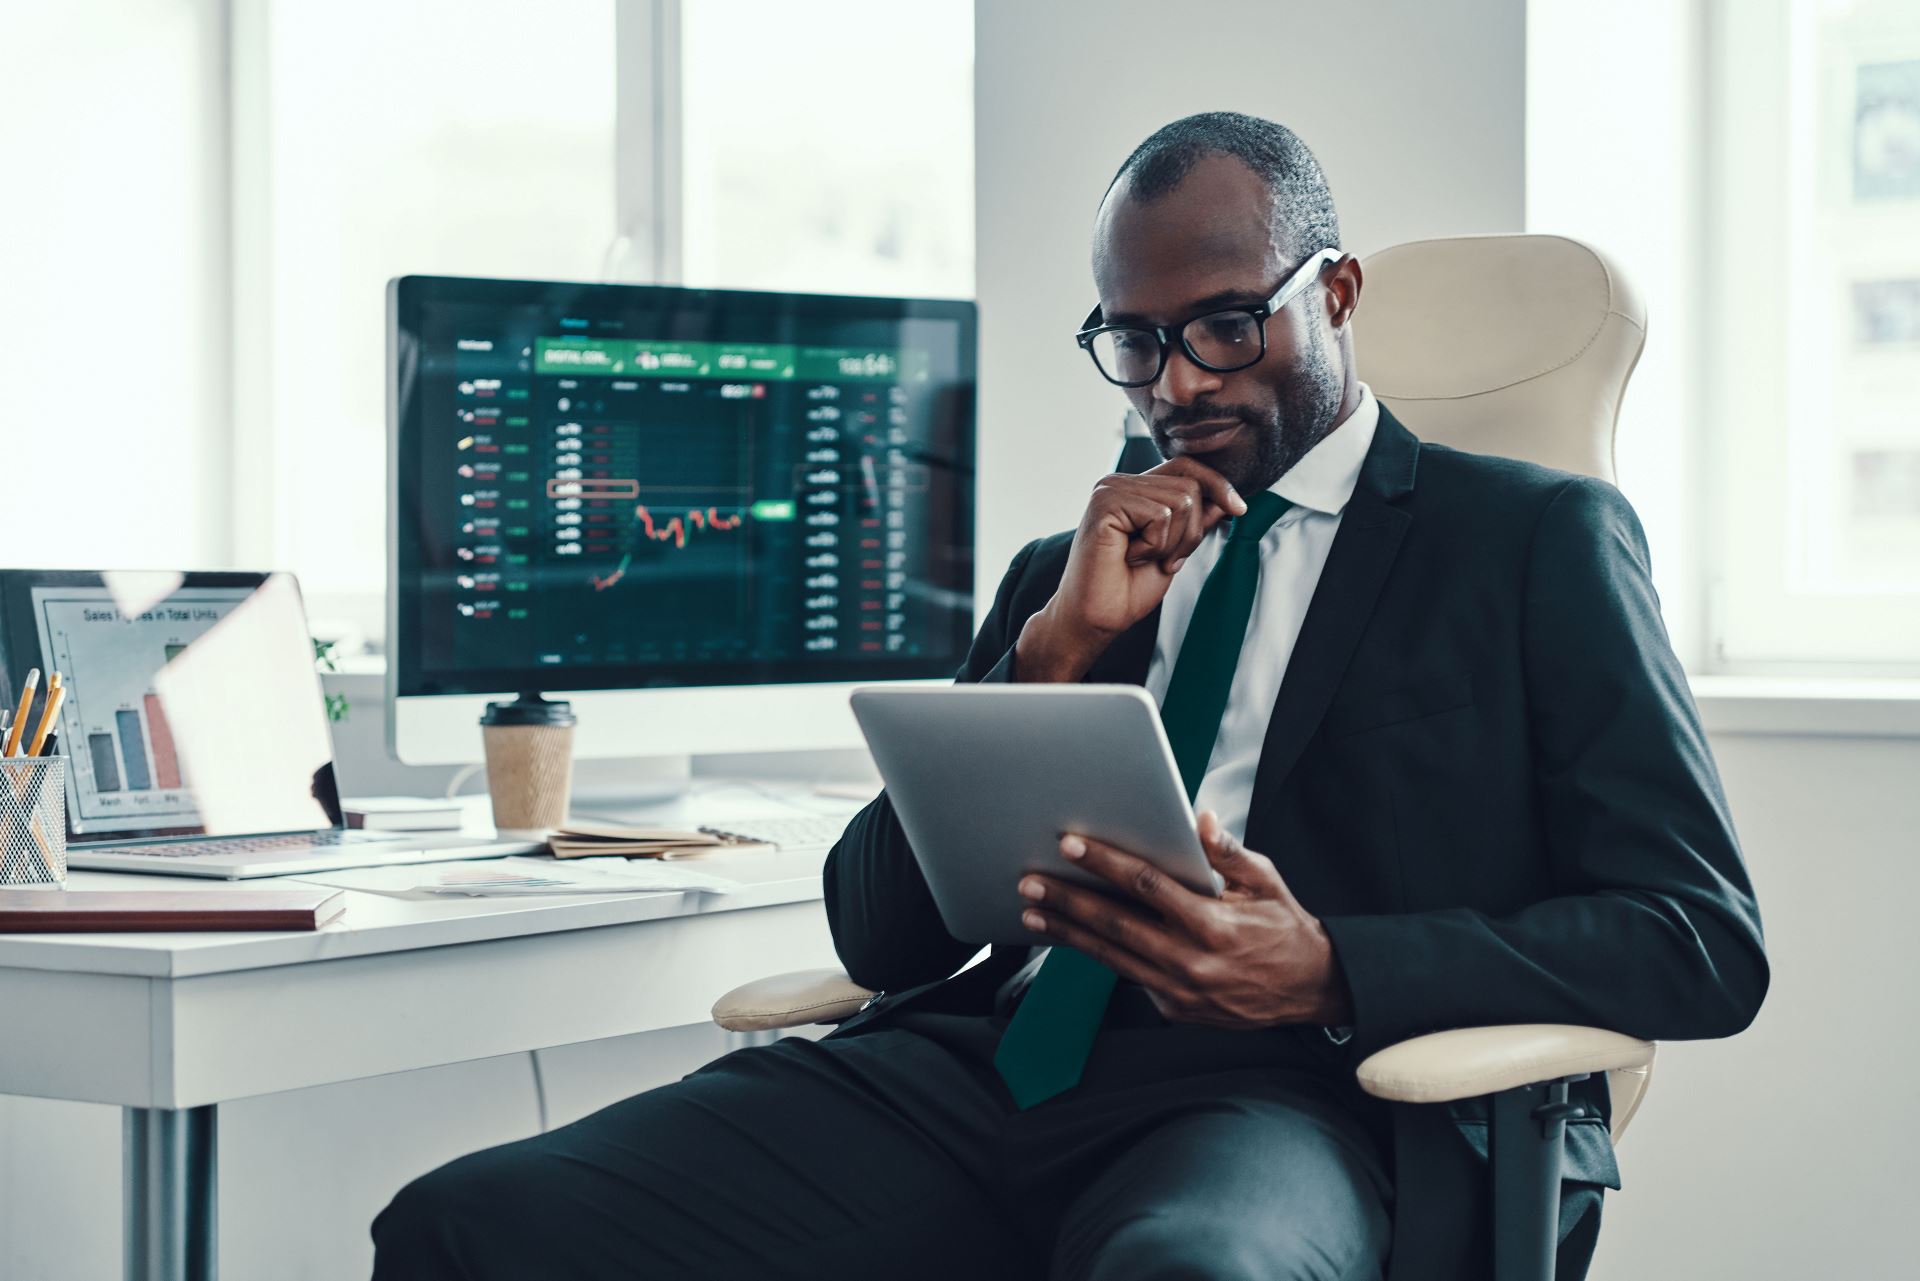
(765, 362)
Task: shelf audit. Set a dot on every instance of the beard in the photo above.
(1302, 414)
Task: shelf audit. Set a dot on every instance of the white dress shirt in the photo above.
(1292, 554)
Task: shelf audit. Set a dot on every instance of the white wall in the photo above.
(1785, 1153)
(1414, 109)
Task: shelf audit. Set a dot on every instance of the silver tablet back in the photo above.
(987, 778)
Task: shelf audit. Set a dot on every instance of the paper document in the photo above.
(589, 838)
(576, 876)
(500, 877)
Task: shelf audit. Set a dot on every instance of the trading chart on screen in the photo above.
(594, 500)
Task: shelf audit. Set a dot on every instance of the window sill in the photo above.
(1822, 706)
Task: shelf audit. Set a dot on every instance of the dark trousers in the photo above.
(895, 1151)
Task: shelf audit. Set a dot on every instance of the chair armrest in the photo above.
(1470, 1061)
(790, 1000)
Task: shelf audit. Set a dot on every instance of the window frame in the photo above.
(647, 246)
(1759, 622)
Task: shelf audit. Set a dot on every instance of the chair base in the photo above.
(1529, 1130)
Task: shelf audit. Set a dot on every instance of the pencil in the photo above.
(56, 694)
(20, 717)
(46, 853)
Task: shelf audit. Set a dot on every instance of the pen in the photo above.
(33, 788)
(56, 694)
(20, 717)
(52, 747)
(39, 775)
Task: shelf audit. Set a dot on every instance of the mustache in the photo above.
(1191, 415)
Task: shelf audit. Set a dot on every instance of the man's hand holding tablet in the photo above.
(1252, 957)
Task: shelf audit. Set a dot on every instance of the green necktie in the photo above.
(1045, 1047)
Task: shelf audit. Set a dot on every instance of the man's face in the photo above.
(1208, 244)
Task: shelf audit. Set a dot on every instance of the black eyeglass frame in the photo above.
(1302, 276)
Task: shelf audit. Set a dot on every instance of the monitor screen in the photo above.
(617, 487)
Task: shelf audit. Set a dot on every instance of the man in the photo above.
(1433, 692)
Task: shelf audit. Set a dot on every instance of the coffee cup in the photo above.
(529, 751)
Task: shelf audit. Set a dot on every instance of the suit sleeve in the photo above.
(1653, 930)
(885, 926)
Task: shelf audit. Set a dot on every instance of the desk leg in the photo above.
(169, 1185)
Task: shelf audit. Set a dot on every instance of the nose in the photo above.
(1182, 382)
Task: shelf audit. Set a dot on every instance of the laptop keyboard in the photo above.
(789, 832)
(294, 843)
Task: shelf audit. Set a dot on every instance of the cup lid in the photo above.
(530, 709)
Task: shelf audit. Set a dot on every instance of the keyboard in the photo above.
(797, 831)
(292, 843)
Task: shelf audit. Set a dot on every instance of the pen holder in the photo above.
(33, 822)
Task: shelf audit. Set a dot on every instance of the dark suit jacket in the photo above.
(1484, 772)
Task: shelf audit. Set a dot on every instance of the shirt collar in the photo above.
(1324, 478)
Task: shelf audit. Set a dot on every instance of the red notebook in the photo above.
(165, 911)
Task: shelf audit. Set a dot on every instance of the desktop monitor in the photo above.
(699, 515)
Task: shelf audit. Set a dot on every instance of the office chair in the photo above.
(1513, 345)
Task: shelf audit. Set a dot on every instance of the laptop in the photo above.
(194, 726)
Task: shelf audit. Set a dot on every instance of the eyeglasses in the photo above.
(1222, 341)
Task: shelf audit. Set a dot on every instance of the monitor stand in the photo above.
(604, 784)
(676, 789)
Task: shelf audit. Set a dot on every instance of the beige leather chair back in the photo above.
(1518, 346)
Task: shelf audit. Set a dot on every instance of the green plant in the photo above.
(336, 703)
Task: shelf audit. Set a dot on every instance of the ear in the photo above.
(1343, 290)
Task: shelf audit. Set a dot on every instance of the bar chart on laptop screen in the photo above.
(114, 730)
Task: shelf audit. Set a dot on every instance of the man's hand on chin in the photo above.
(1251, 958)
(1135, 534)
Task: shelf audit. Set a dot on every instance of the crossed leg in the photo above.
(886, 1154)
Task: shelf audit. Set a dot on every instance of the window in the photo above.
(112, 329)
(406, 138)
(1814, 315)
(828, 146)
(199, 302)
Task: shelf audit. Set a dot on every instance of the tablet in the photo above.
(987, 778)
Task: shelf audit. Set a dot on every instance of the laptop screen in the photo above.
(192, 704)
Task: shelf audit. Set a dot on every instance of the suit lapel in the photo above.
(1357, 566)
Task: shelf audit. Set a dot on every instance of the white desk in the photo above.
(169, 1026)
